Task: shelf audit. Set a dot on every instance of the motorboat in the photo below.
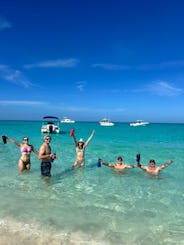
(139, 123)
(67, 120)
(50, 125)
(106, 122)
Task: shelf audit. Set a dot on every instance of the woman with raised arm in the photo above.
(80, 147)
(26, 149)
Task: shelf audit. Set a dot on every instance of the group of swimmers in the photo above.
(45, 153)
(151, 169)
(47, 157)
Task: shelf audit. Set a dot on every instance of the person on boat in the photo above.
(46, 156)
(152, 169)
(119, 165)
(80, 147)
(26, 149)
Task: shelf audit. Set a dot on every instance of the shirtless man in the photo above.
(46, 156)
(152, 169)
(119, 165)
(80, 147)
(26, 149)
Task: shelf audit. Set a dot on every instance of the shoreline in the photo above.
(17, 233)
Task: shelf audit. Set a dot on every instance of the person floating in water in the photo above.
(80, 147)
(152, 169)
(119, 165)
(26, 149)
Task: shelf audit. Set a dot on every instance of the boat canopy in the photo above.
(50, 117)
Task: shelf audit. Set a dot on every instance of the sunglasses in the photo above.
(47, 138)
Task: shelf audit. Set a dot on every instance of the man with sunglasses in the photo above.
(46, 156)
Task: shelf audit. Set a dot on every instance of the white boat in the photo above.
(50, 125)
(67, 120)
(106, 122)
(139, 123)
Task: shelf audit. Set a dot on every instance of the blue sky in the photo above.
(122, 59)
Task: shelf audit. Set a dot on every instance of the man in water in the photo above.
(152, 169)
(119, 165)
(46, 156)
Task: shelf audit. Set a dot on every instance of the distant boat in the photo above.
(50, 125)
(139, 123)
(106, 122)
(67, 120)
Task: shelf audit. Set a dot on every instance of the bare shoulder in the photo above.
(42, 147)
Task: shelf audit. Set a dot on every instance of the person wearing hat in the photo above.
(26, 149)
(80, 147)
(46, 156)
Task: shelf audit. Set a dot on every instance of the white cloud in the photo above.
(71, 109)
(21, 102)
(162, 65)
(170, 64)
(163, 88)
(141, 67)
(64, 63)
(14, 76)
(4, 24)
(111, 66)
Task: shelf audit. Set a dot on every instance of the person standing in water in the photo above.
(46, 156)
(80, 147)
(26, 149)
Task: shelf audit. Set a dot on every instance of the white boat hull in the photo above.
(106, 122)
(50, 129)
(50, 125)
(67, 120)
(139, 123)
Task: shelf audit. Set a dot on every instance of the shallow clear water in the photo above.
(94, 205)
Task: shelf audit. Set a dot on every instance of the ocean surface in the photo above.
(91, 205)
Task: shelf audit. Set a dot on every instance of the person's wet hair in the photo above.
(120, 158)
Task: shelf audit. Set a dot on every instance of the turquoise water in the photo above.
(94, 205)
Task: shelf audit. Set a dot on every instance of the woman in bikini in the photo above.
(80, 147)
(24, 162)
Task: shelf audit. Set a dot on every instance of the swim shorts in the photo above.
(45, 169)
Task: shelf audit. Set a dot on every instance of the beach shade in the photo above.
(4, 139)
